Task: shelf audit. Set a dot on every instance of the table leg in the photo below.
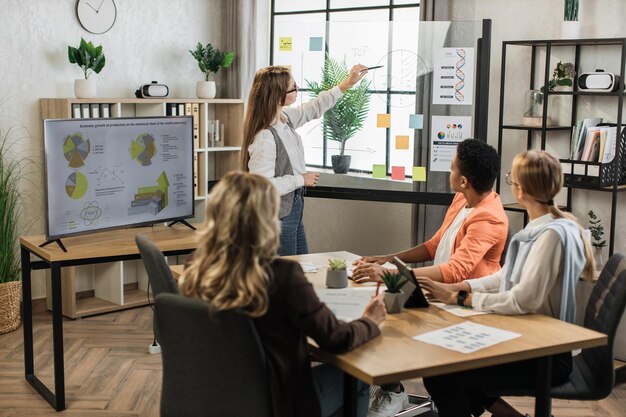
(543, 401)
(57, 337)
(27, 307)
(349, 395)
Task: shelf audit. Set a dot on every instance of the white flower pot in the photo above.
(205, 89)
(85, 88)
(570, 29)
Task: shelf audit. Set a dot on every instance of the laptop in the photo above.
(417, 299)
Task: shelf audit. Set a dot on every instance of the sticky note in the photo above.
(379, 171)
(397, 173)
(402, 142)
(316, 43)
(416, 121)
(284, 44)
(383, 120)
(419, 174)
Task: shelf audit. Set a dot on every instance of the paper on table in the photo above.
(457, 310)
(346, 303)
(466, 337)
(308, 267)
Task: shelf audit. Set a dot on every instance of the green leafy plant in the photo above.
(394, 281)
(348, 115)
(87, 56)
(337, 264)
(563, 75)
(210, 59)
(570, 11)
(596, 229)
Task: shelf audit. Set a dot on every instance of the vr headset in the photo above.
(152, 90)
(598, 81)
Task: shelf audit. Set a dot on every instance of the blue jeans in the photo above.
(292, 237)
(328, 383)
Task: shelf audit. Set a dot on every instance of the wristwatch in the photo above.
(460, 298)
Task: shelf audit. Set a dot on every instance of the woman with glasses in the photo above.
(543, 264)
(272, 147)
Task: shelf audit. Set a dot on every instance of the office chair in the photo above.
(509, 235)
(593, 375)
(213, 362)
(159, 274)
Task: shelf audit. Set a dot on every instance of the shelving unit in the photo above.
(95, 289)
(573, 180)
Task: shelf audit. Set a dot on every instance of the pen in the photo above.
(378, 66)
(377, 288)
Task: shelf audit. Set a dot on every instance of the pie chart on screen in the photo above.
(76, 185)
(76, 149)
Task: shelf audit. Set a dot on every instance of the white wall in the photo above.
(149, 42)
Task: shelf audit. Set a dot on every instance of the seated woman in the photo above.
(543, 264)
(236, 267)
(471, 239)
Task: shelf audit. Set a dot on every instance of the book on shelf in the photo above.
(608, 151)
(171, 109)
(580, 139)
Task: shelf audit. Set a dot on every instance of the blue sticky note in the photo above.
(316, 43)
(416, 121)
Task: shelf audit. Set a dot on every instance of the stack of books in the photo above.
(593, 142)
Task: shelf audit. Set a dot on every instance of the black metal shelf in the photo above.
(522, 127)
(585, 93)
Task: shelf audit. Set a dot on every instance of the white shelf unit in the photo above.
(100, 288)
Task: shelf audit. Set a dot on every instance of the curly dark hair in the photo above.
(479, 163)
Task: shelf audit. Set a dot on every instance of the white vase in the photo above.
(205, 89)
(85, 88)
(570, 29)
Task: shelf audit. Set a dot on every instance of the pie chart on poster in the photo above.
(76, 185)
(76, 149)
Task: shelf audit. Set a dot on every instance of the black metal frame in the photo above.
(547, 45)
(56, 399)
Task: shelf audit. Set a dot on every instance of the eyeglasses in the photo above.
(509, 179)
(295, 88)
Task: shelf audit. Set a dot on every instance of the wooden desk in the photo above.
(109, 246)
(395, 355)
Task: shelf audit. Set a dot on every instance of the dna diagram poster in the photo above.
(453, 81)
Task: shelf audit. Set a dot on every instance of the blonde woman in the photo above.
(236, 267)
(542, 266)
(272, 147)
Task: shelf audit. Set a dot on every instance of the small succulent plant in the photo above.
(337, 264)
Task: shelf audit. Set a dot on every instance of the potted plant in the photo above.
(90, 59)
(337, 274)
(394, 294)
(597, 238)
(570, 28)
(347, 116)
(210, 60)
(10, 284)
(562, 76)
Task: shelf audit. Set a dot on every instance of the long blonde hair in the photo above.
(540, 176)
(268, 92)
(239, 240)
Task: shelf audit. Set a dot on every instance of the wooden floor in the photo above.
(108, 372)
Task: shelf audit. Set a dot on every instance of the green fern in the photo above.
(348, 115)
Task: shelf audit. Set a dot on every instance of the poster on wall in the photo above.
(446, 133)
(453, 81)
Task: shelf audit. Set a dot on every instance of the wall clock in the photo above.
(96, 16)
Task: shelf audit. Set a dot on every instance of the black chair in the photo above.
(509, 235)
(593, 375)
(213, 362)
(159, 272)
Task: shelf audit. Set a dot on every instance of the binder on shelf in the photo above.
(95, 110)
(195, 111)
(84, 110)
(105, 110)
(171, 109)
(196, 188)
(181, 109)
(76, 111)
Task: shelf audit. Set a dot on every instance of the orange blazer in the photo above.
(479, 243)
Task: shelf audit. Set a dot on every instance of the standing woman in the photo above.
(543, 265)
(236, 268)
(272, 147)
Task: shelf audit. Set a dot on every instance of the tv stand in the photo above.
(58, 241)
(182, 221)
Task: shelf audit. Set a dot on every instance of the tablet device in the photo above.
(417, 298)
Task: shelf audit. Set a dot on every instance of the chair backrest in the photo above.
(213, 362)
(509, 235)
(604, 311)
(158, 270)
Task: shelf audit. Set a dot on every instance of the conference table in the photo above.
(396, 356)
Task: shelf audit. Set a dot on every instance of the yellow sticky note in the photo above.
(379, 171)
(383, 120)
(284, 44)
(419, 174)
(402, 142)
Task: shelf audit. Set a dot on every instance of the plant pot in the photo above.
(205, 89)
(336, 279)
(85, 88)
(599, 258)
(341, 163)
(570, 29)
(10, 299)
(394, 302)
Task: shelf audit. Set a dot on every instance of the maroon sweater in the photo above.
(294, 313)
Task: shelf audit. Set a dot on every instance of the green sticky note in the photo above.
(419, 174)
(379, 171)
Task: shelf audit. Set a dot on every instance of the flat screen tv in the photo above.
(117, 172)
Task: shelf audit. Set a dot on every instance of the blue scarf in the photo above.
(573, 260)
